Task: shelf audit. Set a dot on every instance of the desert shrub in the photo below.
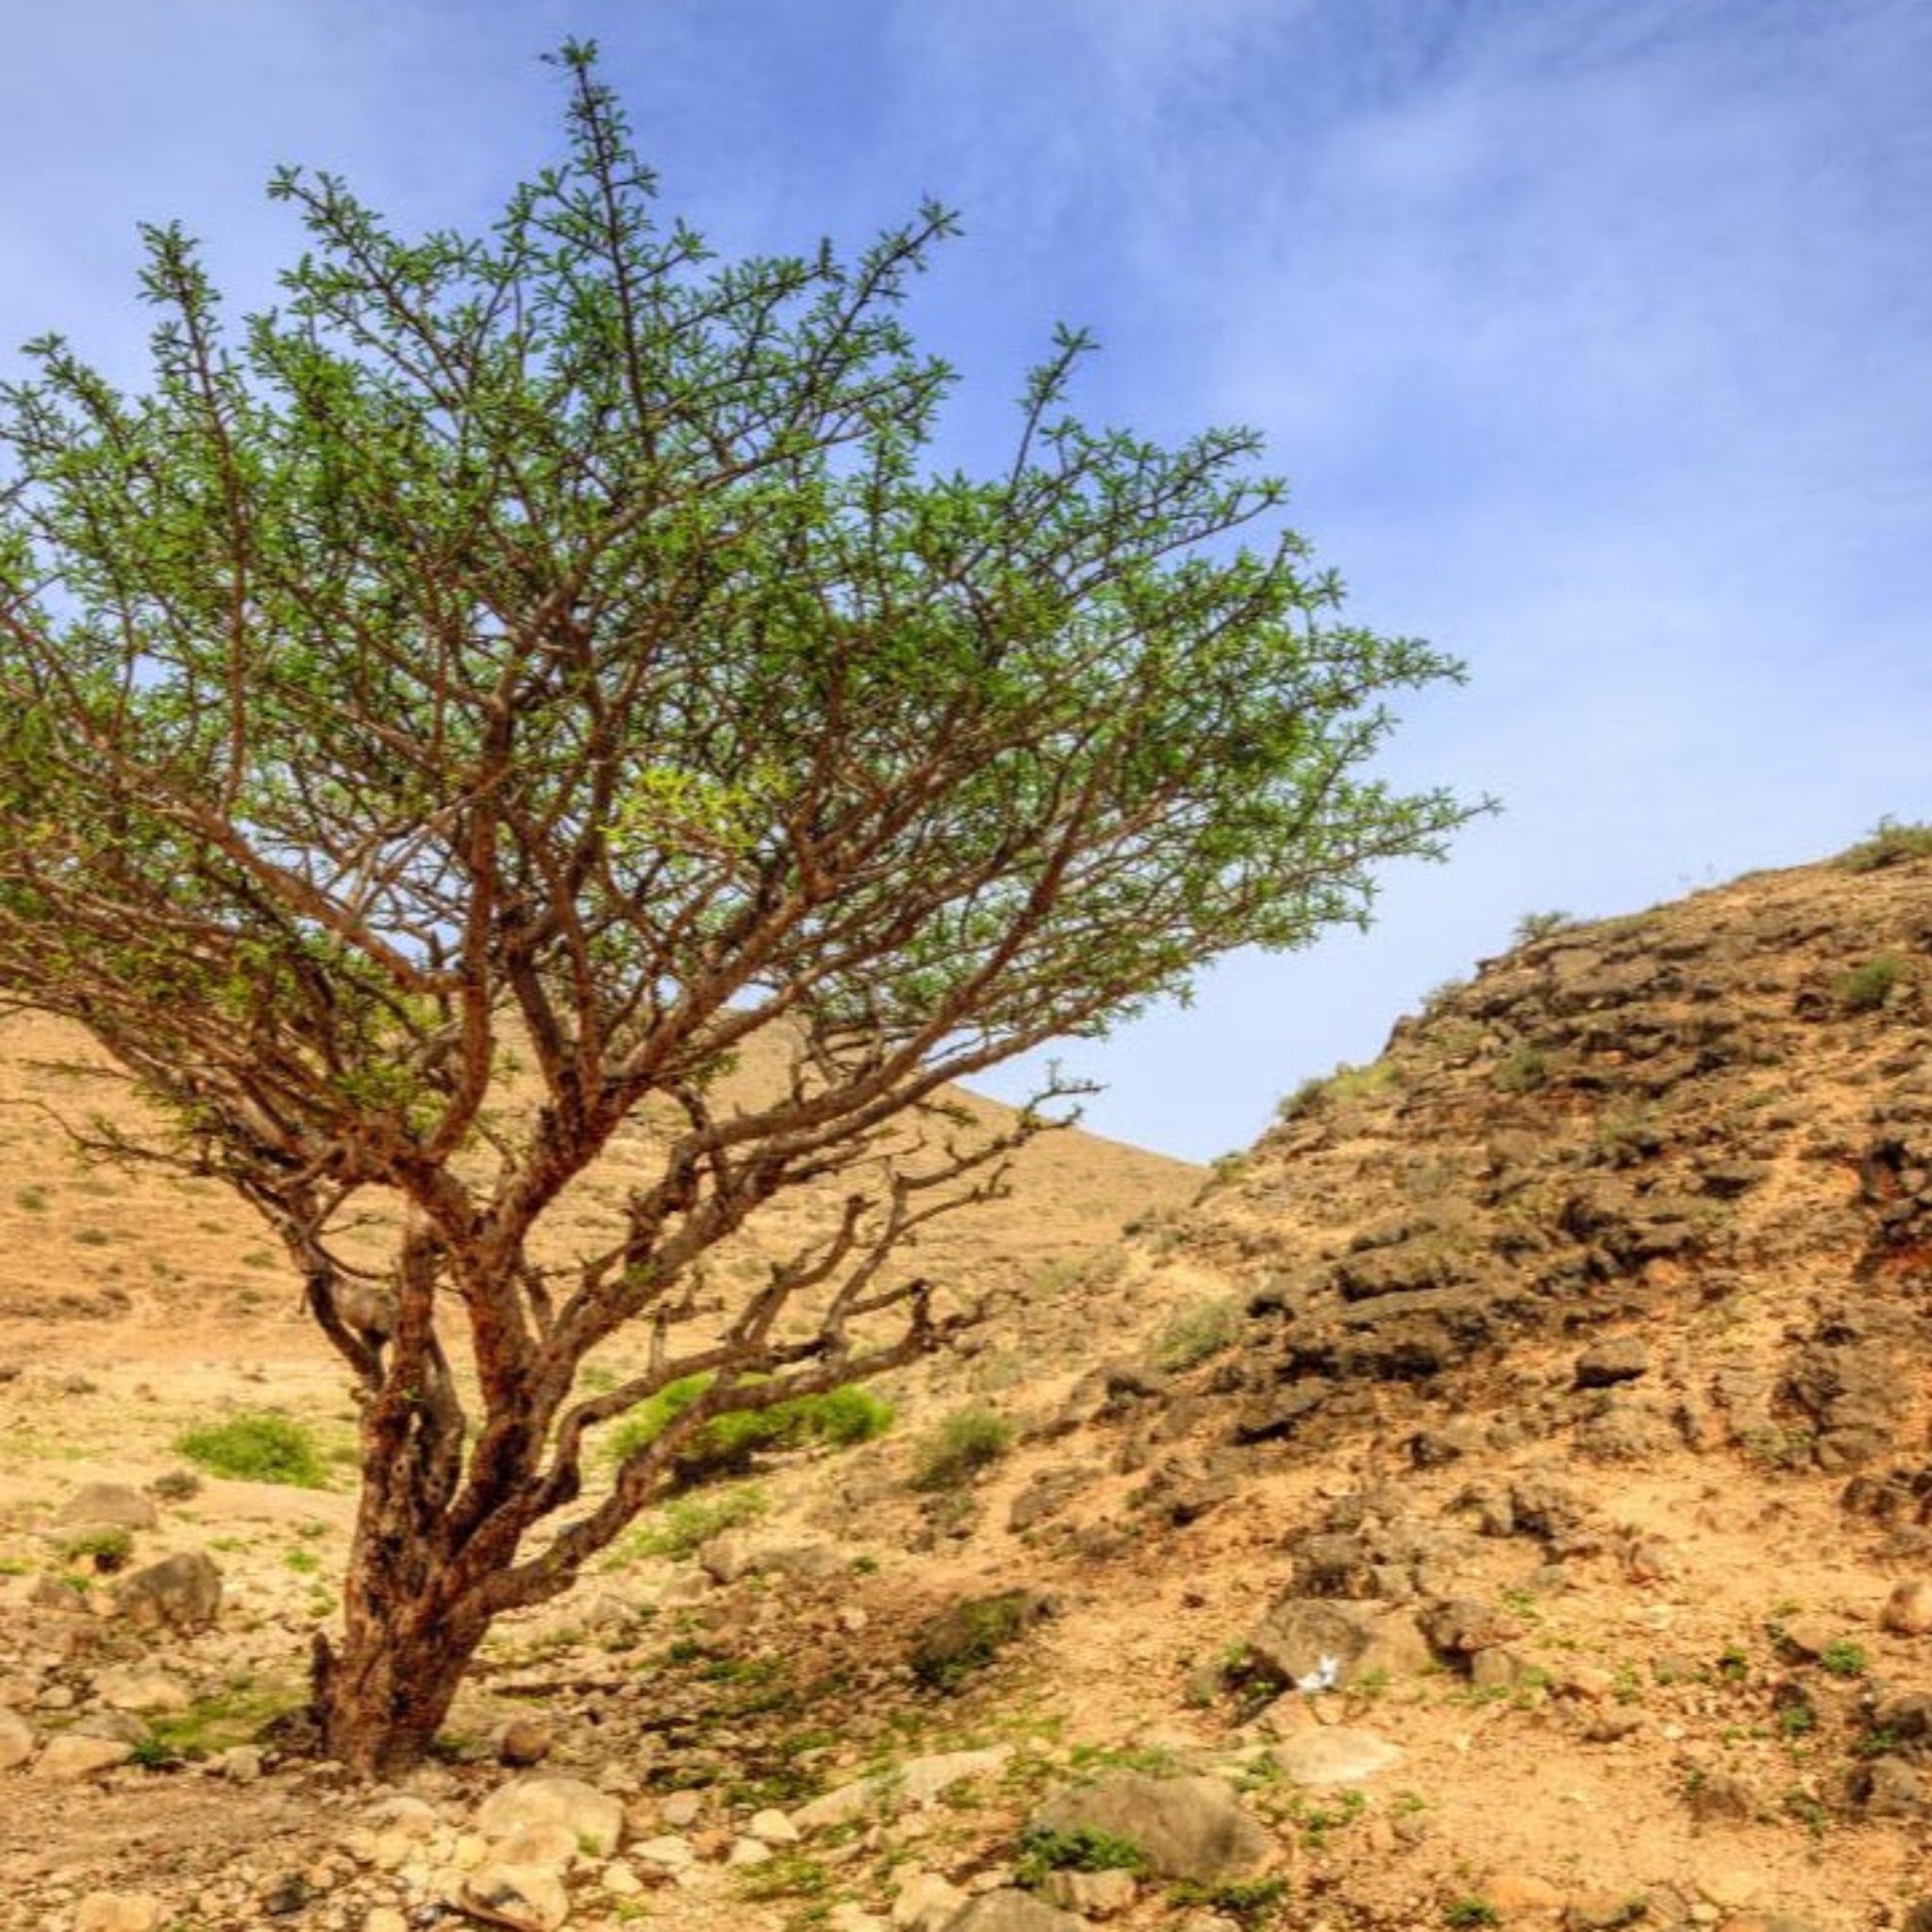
(175, 1485)
(1540, 925)
(1865, 988)
(107, 1550)
(1346, 1085)
(1889, 843)
(836, 1419)
(1080, 1848)
(958, 1446)
(1196, 1331)
(1522, 1069)
(261, 1448)
(684, 1526)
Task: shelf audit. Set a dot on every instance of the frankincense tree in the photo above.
(555, 644)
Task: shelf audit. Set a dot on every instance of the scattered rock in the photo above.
(1908, 1608)
(968, 1636)
(137, 1688)
(529, 1899)
(1093, 1895)
(1334, 1754)
(18, 1740)
(1013, 1911)
(594, 1819)
(525, 1742)
(1622, 1358)
(926, 1902)
(1188, 1827)
(118, 1911)
(108, 1506)
(1300, 1634)
(75, 1755)
(181, 1594)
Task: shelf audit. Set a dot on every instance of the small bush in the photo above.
(1866, 988)
(959, 1446)
(682, 1527)
(264, 1448)
(1197, 1331)
(1522, 1069)
(107, 1550)
(1081, 1849)
(1845, 1658)
(836, 1419)
(1247, 1900)
(30, 1200)
(1540, 925)
(1463, 1914)
(1889, 842)
(176, 1486)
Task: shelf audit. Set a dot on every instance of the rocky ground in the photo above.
(1503, 1497)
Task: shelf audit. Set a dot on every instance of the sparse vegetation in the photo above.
(1540, 925)
(1464, 1914)
(1196, 1331)
(1845, 1658)
(263, 1448)
(959, 1446)
(1867, 988)
(838, 1418)
(1889, 842)
(1522, 1069)
(682, 1526)
(106, 1550)
(1041, 1850)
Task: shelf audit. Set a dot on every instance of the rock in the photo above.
(922, 1781)
(1908, 1608)
(18, 1740)
(385, 1918)
(1294, 1640)
(748, 1851)
(966, 1637)
(240, 1764)
(1335, 1754)
(118, 1911)
(1013, 1911)
(1622, 1358)
(182, 1594)
(1918, 1918)
(680, 1809)
(1464, 1626)
(1810, 1636)
(669, 1853)
(538, 1847)
(926, 1902)
(138, 1689)
(1188, 1827)
(773, 1829)
(1721, 1797)
(108, 1506)
(525, 1742)
(594, 1819)
(1093, 1895)
(526, 1898)
(73, 1755)
(1518, 1894)
(1891, 1787)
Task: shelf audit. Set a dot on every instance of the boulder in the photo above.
(1187, 1827)
(1301, 1635)
(108, 1506)
(1334, 1754)
(181, 1594)
(1013, 1911)
(73, 1755)
(526, 1898)
(594, 1819)
(118, 1911)
(18, 1740)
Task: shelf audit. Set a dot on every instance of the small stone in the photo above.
(774, 1827)
(385, 1918)
(1514, 1893)
(1721, 1796)
(1908, 1608)
(748, 1851)
(594, 1819)
(240, 1764)
(1339, 1755)
(620, 1879)
(926, 1902)
(541, 1847)
(667, 1853)
(1093, 1895)
(137, 1688)
(118, 1911)
(524, 1898)
(73, 1755)
(1622, 1358)
(1810, 1636)
(525, 1742)
(182, 1594)
(681, 1809)
(18, 1740)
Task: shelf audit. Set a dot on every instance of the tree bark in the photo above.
(380, 1700)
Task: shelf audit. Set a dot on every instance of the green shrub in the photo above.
(836, 1419)
(107, 1550)
(1889, 843)
(683, 1526)
(1463, 1914)
(1196, 1331)
(1845, 1658)
(1522, 1069)
(1540, 925)
(959, 1446)
(1082, 1848)
(1866, 988)
(262, 1448)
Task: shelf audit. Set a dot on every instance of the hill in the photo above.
(1510, 1479)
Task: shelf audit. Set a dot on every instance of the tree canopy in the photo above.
(474, 700)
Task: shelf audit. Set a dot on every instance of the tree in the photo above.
(461, 710)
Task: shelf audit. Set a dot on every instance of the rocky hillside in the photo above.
(1503, 1497)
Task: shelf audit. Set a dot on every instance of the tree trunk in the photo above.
(379, 1700)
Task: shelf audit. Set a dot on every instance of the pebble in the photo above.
(1909, 1609)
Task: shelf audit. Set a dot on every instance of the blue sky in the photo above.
(1595, 336)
